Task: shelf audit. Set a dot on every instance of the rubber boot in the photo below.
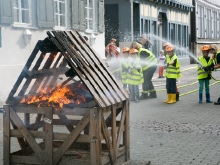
(200, 97)
(177, 96)
(144, 96)
(168, 98)
(173, 99)
(217, 102)
(153, 95)
(136, 100)
(208, 98)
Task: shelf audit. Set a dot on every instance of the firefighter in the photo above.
(215, 50)
(172, 73)
(164, 48)
(125, 67)
(135, 77)
(148, 62)
(203, 76)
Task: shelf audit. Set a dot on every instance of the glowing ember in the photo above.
(55, 98)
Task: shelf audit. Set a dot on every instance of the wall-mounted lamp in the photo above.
(27, 36)
(92, 39)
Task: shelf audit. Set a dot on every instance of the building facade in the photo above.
(162, 21)
(24, 22)
(205, 20)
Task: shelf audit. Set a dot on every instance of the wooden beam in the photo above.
(47, 72)
(25, 160)
(127, 131)
(95, 134)
(49, 137)
(122, 121)
(71, 138)
(107, 140)
(6, 135)
(26, 134)
(113, 125)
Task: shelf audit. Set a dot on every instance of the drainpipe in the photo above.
(132, 27)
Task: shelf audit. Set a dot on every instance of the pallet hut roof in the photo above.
(66, 53)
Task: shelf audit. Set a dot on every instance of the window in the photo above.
(21, 11)
(60, 13)
(0, 37)
(209, 24)
(214, 21)
(201, 22)
(91, 17)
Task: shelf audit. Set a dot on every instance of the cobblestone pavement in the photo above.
(179, 134)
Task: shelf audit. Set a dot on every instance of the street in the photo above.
(182, 133)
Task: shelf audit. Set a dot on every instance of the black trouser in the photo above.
(171, 85)
(148, 85)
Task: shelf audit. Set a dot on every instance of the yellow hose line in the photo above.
(198, 89)
(180, 71)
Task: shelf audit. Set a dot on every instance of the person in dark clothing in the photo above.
(148, 62)
(144, 41)
(215, 50)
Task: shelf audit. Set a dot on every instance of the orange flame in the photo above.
(59, 97)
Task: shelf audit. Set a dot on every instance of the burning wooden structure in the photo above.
(63, 108)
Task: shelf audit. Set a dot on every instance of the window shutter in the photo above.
(82, 15)
(46, 13)
(101, 16)
(6, 11)
(75, 14)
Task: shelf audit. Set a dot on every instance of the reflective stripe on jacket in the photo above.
(124, 74)
(172, 71)
(201, 74)
(135, 77)
(151, 60)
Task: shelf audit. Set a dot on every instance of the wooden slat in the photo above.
(113, 125)
(29, 138)
(25, 159)
(76, 60)
(91, 89)
(68, 126)
(66, 122)
(49, 137)
(6, 135)
(35, 134)
(71, 138)
(95, 134)
(98, 73)
(56, 136)
(38, 81)
(107, 140)
(127, 131)
(47, 72)
(28, 81)
(122, 121)
(29, 109)
(106, 73)
(21, 141)
(63, 136)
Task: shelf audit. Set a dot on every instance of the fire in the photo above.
(55, 98)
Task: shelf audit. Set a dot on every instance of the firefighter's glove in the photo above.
(208, 68)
